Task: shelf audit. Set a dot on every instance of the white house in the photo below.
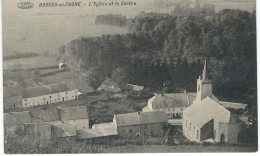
(47, 94)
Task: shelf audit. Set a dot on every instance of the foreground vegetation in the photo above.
(29, 145)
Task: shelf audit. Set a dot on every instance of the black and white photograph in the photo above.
(129, 76)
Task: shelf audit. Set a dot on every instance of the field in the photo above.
(178, 149)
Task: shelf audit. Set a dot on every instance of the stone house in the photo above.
(47, 124)
(12, 97)
(141, 124)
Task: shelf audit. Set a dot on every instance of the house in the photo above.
(77, 116)
(140, 124)
(108, 88)
(12, 97)
(52, 123)
(98, 131)
(207, 118)
(172, 104)
(61, 65)
(131, 87)
(47, 94)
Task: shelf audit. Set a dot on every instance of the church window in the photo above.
(197, 134)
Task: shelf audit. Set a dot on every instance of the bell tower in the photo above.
(204, 85)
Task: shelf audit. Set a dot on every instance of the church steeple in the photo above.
(204, 73)
(204, 85)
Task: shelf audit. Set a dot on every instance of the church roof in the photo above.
(172, 100)
(205, 110)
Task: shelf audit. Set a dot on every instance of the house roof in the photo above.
(44, 90)
(153, 117)
(10, 91)
(44, 115)
(73, 113)
(16, 118)
(108, 88)
(138, 118)
(98, 130)
(205, 110)
(233, 105)
(79, 84)
(134, 87)
(172, 100)
(60, 130)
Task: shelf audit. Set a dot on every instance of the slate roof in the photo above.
(60, 130)
(205, 110)
(98, 130)
(138, 118)
(44, 115)
(44, 90)
(233, 105)
(134, 87)
(16, 118)
(10, 91)
(172, 100)
(73, 113)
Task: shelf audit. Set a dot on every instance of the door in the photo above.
(222, 138)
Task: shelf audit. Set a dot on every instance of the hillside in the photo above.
(168, 50)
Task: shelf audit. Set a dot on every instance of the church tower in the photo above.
(204, 85)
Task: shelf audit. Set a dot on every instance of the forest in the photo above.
(110, 19)
(168, 50)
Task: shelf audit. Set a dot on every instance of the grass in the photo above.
(29, 145)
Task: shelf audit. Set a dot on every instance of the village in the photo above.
(59, 111)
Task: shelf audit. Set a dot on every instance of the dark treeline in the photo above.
(110, 19)
(165, 50)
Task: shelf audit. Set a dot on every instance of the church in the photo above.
(207, 118)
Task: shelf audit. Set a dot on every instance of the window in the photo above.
(197, 134)
(50, 97)
(130, 131)
(25, 100)
(66, 92)
(145, 127)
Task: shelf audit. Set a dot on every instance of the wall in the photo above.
(51, 98)
(173, 111)
(154, 129)
(207, 131)
(80, 124)
(190, 131)
(42, 130)
(223, 129)
(124, 131)
(11, 129)
(233, 131)
(13, 102)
